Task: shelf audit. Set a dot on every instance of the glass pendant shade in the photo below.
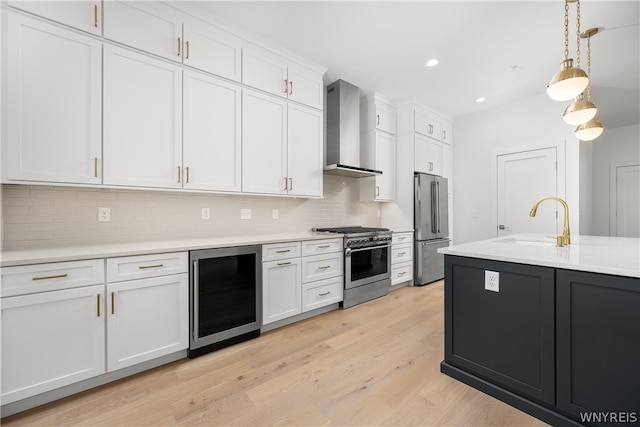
(589, 131)
(580, 111)
(567, 83)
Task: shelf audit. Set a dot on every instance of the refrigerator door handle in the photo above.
(434, 208)
(438, 205)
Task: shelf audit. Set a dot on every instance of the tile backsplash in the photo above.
(53, 216)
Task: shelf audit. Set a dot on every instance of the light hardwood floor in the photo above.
(376, 364)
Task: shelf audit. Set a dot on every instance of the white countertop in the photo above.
(619, 256)
(74, 253)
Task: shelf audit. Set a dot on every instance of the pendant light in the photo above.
(569, 82)
(592, 128)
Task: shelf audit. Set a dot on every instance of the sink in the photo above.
(531, 241)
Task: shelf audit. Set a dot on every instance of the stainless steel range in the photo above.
(367, 263)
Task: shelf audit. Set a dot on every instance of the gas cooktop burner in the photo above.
(351, 230)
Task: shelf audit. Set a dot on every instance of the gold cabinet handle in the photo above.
(402, 273)
(377, 191)
(290, 184)
(444, 134)
(144, 267)
(284, 263)
(286, 85)
(187, 43)
(113, 303)
(324, 267)
(401, 238)
(283, 251)
(324, 294)
(324, 247)
(290, 87)
(430, 166)
(286, 183)
(95, 167)
(186, 170)
(95, 15)
(402, 253)
(98, 305)
(377, 119)
(179, 45)
(57, 276)
(431, 129)
(179, 174)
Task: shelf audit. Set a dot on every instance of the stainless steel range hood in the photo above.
(342, 149)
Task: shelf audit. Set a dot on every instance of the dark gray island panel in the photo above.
(598, 347)
(505, 337)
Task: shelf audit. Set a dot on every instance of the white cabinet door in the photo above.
(211, 49)
(434, 157)
(146, 318)
(385, 162)
(265, 71)
(428, 155)
(212, 140)
(51, 339)
(142, 120)
(282, 288)
(145, 25)
(385, 117)
(447, 162)
(84, 15)
(264, 148)
(428, 124)
(447, 132)
(304, 146)
(52, 117)
(305, 86)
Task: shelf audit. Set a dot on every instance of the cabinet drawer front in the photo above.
(317, 247)
(280, 251)
(143, 266)
(401, 253)
(402, 238)
(28, 279)
(401, 273)
(321, 267)
(321, 293)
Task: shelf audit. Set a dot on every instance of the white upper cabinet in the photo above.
(211, 49)
(52, 114)
(264, 149)
(376, 113)
(428, 124)
(274, 74)
(212, 143)
(382, 156)
(447, 132)
(304, 151)
(428, 155)
(81, 14)
(142, 120)
(149, 26)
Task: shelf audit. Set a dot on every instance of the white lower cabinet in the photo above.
(300, 277)
(147, 317)
(51, 336)
(401, 258)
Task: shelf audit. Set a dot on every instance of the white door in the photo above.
(385, 162)
(212, 140)
(265, 71)
(51, 339)
(524, 178)
(53, 111)
(626, 217)
(304, 145)
(85, 15)
(142, 120)
(385, 117)
(305, 86)
(264, 143)
(282, 289)
(146, 318)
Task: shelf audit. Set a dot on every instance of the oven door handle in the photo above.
(349, 250)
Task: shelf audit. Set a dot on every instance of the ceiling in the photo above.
(500, 50)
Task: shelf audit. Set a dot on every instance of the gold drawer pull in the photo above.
(324, 267)
(58, 276)
(284, 251)
(402, 273)
(98, 305)
(402, 253)
(284, 263)
(324, 294)
(402, 238)
(143, 267)
(113, 303)
(324, 246)
(95, 16)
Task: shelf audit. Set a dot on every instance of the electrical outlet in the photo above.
(492, 281)
(245, 213)
(274, 214)
(104, 214)
(378, 213)
(206, 214)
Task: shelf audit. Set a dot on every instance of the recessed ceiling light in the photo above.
(481, 99)
(432, 62)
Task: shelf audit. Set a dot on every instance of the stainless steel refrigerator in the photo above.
(431, 224)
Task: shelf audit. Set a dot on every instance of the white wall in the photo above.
(47, 216)
(619, 145)
(534, 121)
(586, 186)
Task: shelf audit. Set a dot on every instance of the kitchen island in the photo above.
(553, 331)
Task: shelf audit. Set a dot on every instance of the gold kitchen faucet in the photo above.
(565, 238)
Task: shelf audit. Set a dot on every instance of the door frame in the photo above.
(561, 172)
(613, 196)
